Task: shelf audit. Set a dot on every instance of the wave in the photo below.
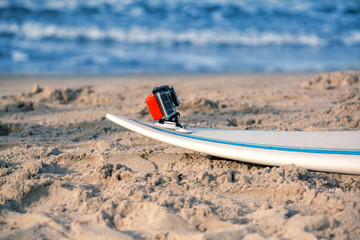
(352, 38)
(168, 22)
(178, 35)
(347, 7)
(140, 35)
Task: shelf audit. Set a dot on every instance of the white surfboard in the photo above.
(329, 151)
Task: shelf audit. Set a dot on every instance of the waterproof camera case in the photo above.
(168, 102)
(163, 103)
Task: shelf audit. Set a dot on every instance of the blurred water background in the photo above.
(108, 37)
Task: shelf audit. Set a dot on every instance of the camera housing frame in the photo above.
(168, 102)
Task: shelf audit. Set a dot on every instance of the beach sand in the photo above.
(66, 172)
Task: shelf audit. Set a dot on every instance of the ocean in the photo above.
(109, 37)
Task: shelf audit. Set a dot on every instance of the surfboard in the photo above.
(328, 151)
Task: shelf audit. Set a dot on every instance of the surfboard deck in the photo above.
(329, 151)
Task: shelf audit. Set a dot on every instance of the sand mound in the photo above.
(64, 96)
(201, 104)
(332, 80)
(347, 112)
(20, 106)
(43, 98)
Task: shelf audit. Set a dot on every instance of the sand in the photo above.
(68, 173)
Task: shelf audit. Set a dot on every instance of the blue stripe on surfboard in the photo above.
(260, 146)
